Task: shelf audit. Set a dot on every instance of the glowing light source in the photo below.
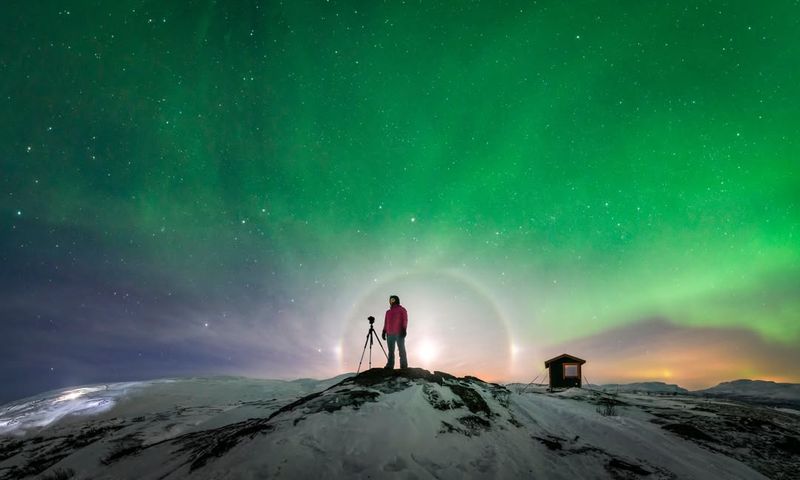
(28, 414)
(433, 299)
(427, 352)
(73, 394)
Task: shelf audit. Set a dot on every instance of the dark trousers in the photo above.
(401, 344)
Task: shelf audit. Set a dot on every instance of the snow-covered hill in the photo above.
(787, 394)
(390, 424)
(642, 387)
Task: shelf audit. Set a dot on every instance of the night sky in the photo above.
(210, 187)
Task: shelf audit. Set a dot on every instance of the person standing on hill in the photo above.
(394, 327)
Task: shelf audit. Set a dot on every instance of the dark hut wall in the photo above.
(557, 375)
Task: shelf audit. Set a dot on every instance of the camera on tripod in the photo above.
(371, 334)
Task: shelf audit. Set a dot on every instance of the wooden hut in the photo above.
(564, 371)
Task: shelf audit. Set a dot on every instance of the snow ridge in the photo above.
(408, 423)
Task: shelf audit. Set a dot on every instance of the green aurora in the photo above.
(593, 163)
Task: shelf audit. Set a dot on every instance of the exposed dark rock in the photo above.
(436, 400)
(215, 443)
(90, 435)
(332, 403)
(515, 422)
(620, 469)
(207, 444)
(374, 376)
(604, 399)
(472, 399)
(449, 428)
(400, 379)
(553, 443)
(616, 467)
(734, 429)
(123, 447)
(501, 394)
(39, 464)
(59, 474)
(789, 444)
(688, 431)
(474, 423)
(10, 448)
(43, 452)
(587, 449)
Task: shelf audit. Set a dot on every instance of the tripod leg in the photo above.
(362, 353)
(379, 343)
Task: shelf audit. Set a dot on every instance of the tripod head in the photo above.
(371, 319)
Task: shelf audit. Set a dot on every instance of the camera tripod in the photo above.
(370, 334)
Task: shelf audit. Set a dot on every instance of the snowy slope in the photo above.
(403, 424)
(132, 399)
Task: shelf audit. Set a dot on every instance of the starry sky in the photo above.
(217, 187)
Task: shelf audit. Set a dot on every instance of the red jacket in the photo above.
(395, 321)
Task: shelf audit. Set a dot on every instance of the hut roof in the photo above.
(566, 356)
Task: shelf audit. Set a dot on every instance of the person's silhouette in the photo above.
(395, 324)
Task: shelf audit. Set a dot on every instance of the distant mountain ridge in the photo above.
(644, 387)
(764, 389)
(745, 389)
